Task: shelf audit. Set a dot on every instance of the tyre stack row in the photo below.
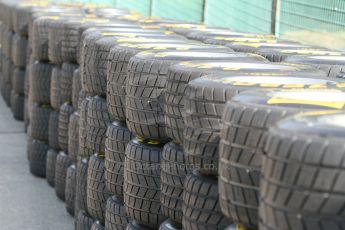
(138, 124)
(106, 131)
(6, 33)
(13, 62)
(50, 91)
(194, 144)
(98, 200)
(239, 134)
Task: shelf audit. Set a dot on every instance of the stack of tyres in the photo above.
(13, 48)
(144, 116)
(243, 154)
(293, 144)
(39, 95)
(93, 123)
(19, 56)
(60, 98)
(117, 134)
(97, 122)
(6, 60)
(66, 87)
(118, 142)
(200, 110)
(137, 124)
(40, 112)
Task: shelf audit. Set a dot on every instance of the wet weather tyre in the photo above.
(62, 163)
(117, 139)
(170, 225)
(142, 197)
(55, 37)
(204, 104)
(53, 135)
(115, 215)
(40, 78)
(176, 85)
(84, 222)
(302, 159)
(39, 121)
(55, 88)
(134, 225)
(84, 151)
(18, 80)
(26, 115)
(76, 87)
(17, 106)
(70, 189)
(97, 193)
(39, 38)
(51, 161)
(19, 48)
(96, 78)
(173, 174)
(7, 70)
(37, 158)
(66, 111)
(97, 226)
(98, 120)
(201, 209)
(6, 93)
(66, 81)
(81, 182)
(73, 136)
(6, 47)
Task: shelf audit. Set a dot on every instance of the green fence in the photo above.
(190, 11)
(310, 15)
(143, 6)
(241, 15)
(258, 16)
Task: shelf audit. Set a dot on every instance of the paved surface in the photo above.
(26, 202)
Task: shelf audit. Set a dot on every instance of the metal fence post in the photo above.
(274, 16)
(203, 11)
(150, 8)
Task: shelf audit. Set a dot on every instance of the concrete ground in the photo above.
(26, 202)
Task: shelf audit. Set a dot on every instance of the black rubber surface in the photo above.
(117, 138)
(19, 48)
(50, 167)
(73, 136)
(39, 121)
(81, 183)
(97, 193)
(40, 78)
(62, 163)
(70, 189)
(84, 221)
(37, 154)
(141, 197)
(201, 208)
(173, 174)
(98, 120)
(115, 215)
(53, 129)
(301, 184)
(66, 110)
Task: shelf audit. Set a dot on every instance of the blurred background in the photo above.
(317, 22)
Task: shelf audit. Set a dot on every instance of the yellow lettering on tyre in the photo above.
(329, 104)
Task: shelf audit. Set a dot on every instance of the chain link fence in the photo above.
(279, 17)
